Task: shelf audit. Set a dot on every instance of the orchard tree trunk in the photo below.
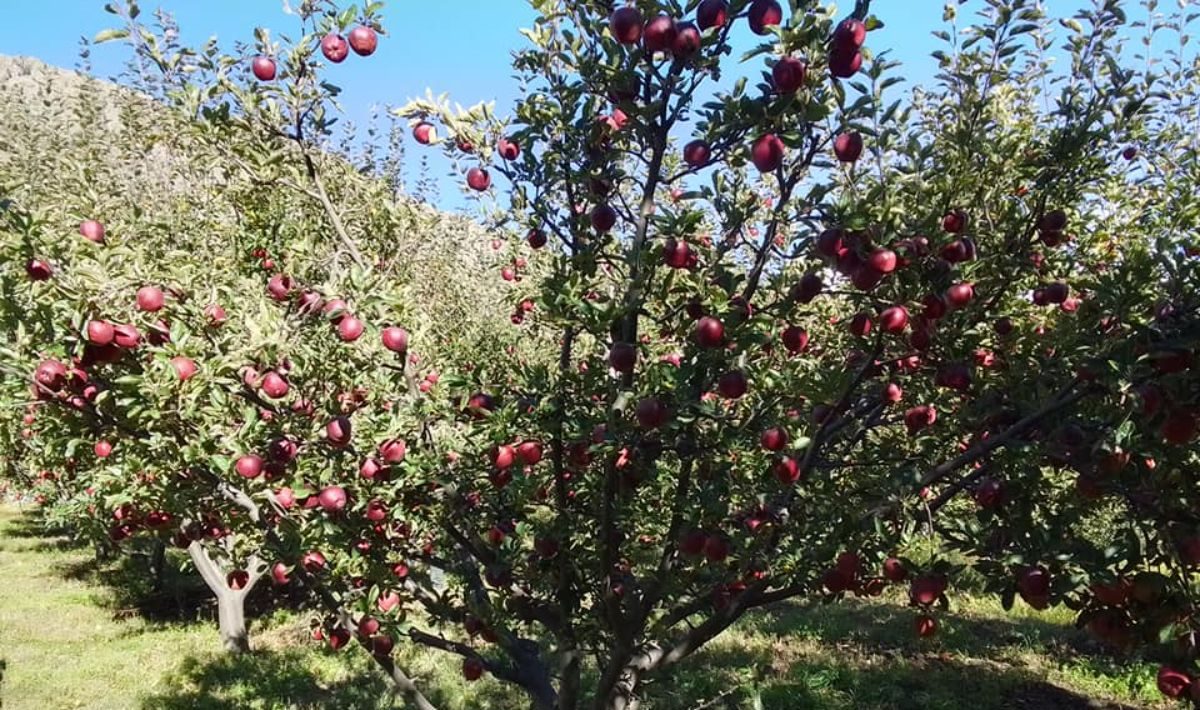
(158, 564)
(231, 603)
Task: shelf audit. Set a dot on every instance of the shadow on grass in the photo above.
(865, 655)
(266, 679)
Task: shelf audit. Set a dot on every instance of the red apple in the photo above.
(709, 332)
(603, 218)
(959, 295)
(894, 570)
(92, 231)
(788, 75)
(478, 179)
(651, 413)
(249, 466)
(955, 222)
(38, 270)
(99, 332)
(237, 579)
(763, 15)
(795, 339)
(697, 153)
(767, 153)
(658, 34)
(894, 319)
(926, 590)
(150, 299)
(263, 68)
(184, 367)
(334, 47)
(845, 64)
(529, 453)
(364, 40)
(848, 147)
(472, 668)
(279, 287)
(732, 384)
(626, 25)
(925, 626)
(622, 357)
(423, 133)
(716, 548)
(850, 35)
(279, 574)
(712, 13)
(787, 471)
(332, 499)
(860, 325)
(338, 432)
(393, 451)
(536, 238)
(1172, 682)
(508, 149)
(395, 339)
(774, 439)
(350, 329)
(687, 40)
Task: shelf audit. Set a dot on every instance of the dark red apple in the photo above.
(788, 75)
(184, 367)
(622, 357)
(860, 325)
(894, 319)
(603, 218)
(716, 548)
(335, 48)
(848, 147)
(626, 25)
(658, 34)
(925, 626)
(508, 149)
(926, 589)
(338, 432)
(697, 153)
(787, 471)
(709, 332)
(795, 339)
(712, 13)
(763, 15)
(472, 667)
(959, 295)
(774, 439)
(955, 222)
(767, 153)
(1173, 682)
(687, 40)
(38, 270)
(732, 384)
(529, 453)
(364, 40)
(894, 570)
(850, 35)
(651, 413)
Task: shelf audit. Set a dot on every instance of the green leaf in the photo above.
(109, 35)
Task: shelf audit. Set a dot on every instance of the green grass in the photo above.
(74, 634)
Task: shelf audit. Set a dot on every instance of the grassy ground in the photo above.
(71, 638)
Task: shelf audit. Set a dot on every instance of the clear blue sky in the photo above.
(457, 46)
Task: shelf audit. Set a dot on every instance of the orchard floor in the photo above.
(69, 640)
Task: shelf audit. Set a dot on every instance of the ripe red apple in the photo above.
(249, 466)
(283, 450)
(478, 179)
(848, 147)
(313, 561)
(274, 385)
(92, 231)
(788, 75)
(529, 453)
(626, 25)
(860, 325)
(502, 457)
(279, 287)
(263, 68)
(622, 357)
(102, 449)
(1033, 584)
(959, 295)
(919, 417)
(184, 367)
(350, 329)
(894, 570)
(395, 339)
(38, 270)
(989, 494)
(603, 218)
(364, 40)
(658, 34)
(279, 574)
(774, 439)
(237, 579)
(508, 149)
(926, 589)
(732, 384)
(338, 432)
(795, 339)
(767, 153)
(150, 299)
(925, 626)
(335, 48)
(894, 319)
(393, 451)
(472, 668)
(1129, 153)
(955, 222)
(787, 471)
(709, 332)
(712, 13)
(845, 64)
(697, 153)
(687, 40)
(892, 393)
(1173, 682)
(99, 332)
(651, 413)
(882, 260)
(763, 15)
(850, 35)
(423, 133)
(536, 238)
(332, 499)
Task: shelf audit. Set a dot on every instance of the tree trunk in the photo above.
(231, 618)
(158, 564)
(231, 609)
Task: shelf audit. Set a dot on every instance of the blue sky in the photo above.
(457, 46)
